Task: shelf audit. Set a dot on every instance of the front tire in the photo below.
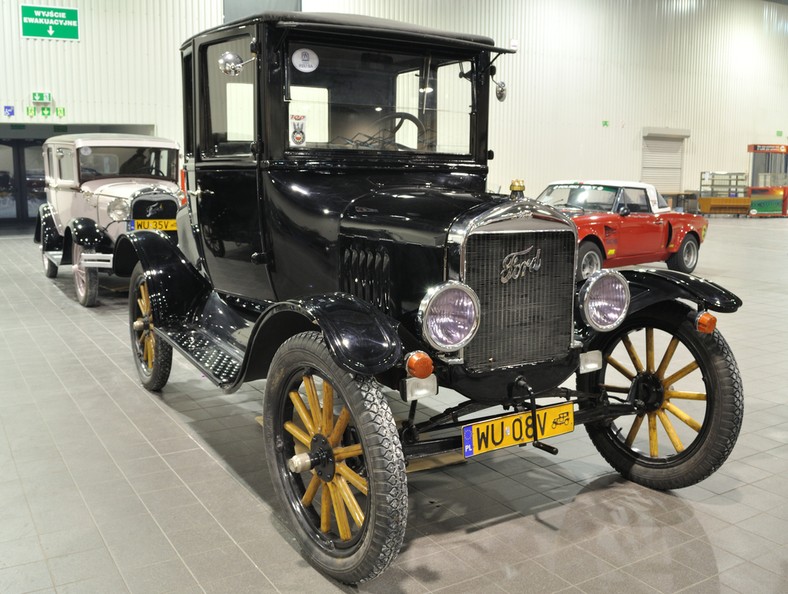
(152, 356)
(85, 278)
(686, 259)
(348, 506)
(657, 357)
(589, 260)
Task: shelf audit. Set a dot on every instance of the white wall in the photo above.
(124, 70)
(718, 68)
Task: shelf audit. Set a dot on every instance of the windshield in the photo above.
(580, 197)
(364, 99)
(117, 161)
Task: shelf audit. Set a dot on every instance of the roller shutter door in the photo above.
(662, 162)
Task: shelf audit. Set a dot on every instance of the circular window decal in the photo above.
(305, 60)
(85, 150)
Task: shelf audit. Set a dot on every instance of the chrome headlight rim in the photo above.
(585, 298)
(430, 299)
(119, 210)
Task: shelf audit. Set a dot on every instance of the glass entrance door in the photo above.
(22, 188)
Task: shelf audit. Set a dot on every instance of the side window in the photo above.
(635, 199)
(228, 101)
(66, 170)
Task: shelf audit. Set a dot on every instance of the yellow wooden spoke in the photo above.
(682, 416)
(653, 446)
(143, 306)
(672, 435)
(347, 452)
(633, 431)
(339, 428)
(667, 357)
(685, 395)
(328, 408)
(340, 513)
(303, 413)
(650, 350)
(681, 373)
(632, 354)
(314, 404)
(151, 344)
(620, 368)
(311, 490)
(616, 389)
(298, 433)
(350, 501)
(358, 481)
(325, 508)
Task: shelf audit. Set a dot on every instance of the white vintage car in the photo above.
(99, 186)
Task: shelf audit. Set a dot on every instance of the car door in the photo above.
(641, 231)
(62, 187)
(225, 197)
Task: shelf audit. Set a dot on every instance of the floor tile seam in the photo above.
(651, 588)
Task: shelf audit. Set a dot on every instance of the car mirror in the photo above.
(623, 210)
(232, 64)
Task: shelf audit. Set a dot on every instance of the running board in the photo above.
(219, 363)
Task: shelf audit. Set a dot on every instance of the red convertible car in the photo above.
(622, 223)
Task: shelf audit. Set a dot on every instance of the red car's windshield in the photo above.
(582, 197)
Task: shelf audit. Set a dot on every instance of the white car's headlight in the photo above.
(118, 209)
(449, 315)
(604, 300)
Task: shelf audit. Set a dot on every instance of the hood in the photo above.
(130, 188)
(410, 215)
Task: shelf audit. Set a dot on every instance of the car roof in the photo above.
(109, 139)
(604, 182)
(371, 27)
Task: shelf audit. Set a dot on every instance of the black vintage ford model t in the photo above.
(339, 242)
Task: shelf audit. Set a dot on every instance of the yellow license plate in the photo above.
(486, 436)
(154, 224)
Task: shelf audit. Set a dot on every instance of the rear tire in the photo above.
(50, 268)
(686, 259)
(85, 279)
(349, 507)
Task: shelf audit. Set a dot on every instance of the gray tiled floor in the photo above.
(105, 487)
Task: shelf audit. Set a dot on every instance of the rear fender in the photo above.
(648, 287)
(361, 338)
(165, 266)
(46, 231)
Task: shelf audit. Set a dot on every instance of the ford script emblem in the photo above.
(517, 264)
(153, 209)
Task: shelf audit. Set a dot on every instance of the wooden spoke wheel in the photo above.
(152, 356)
(687, 391)
(335, 460)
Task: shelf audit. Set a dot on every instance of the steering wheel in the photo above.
(402, 115)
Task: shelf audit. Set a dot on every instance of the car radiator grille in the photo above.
(529, 318)
(166, 209)
(366, 273)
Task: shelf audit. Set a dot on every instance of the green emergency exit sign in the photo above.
(50, 22)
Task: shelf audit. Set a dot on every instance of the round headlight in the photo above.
(118, 209)
(604, 300)
(449, 316)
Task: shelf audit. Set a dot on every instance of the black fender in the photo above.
(176, 286)
(361, 338)
(88, 234)
(651, 286)
(46, 230)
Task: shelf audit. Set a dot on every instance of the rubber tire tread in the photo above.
(676, 261)
(162, 356)
(383, 457)
(586, 247)
(726, 418)
(50, 268)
